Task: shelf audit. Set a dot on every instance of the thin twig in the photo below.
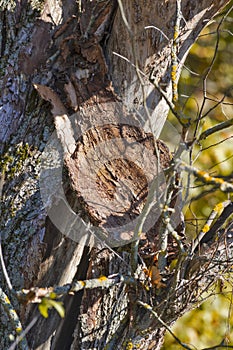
(206, 177)
(220, 346)
(159, 30)
(216, 128)
(216, 144)
(154, 313)
(210, 68)
(205, 231)
(4, 270)
(35, 295)
(23, 334)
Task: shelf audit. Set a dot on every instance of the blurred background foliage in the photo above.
(206, 89)
(208, 325)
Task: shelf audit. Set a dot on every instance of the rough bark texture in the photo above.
(68, 46)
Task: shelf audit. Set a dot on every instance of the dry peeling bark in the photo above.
(62, 53)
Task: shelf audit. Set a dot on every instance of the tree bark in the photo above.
(58, 67)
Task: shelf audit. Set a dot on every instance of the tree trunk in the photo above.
(58, 227)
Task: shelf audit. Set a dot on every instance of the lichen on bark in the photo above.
(8, 5)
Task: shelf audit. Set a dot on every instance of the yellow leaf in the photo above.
(58, 305)
(43, 308)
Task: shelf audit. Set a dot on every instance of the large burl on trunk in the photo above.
(81, 161)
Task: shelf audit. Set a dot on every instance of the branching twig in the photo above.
(154, 313)
(209, 69)
(183, 120)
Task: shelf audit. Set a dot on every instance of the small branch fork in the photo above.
(201, 115)
(36, 295)
(183, 120)
(154, 313)
(185, 346)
